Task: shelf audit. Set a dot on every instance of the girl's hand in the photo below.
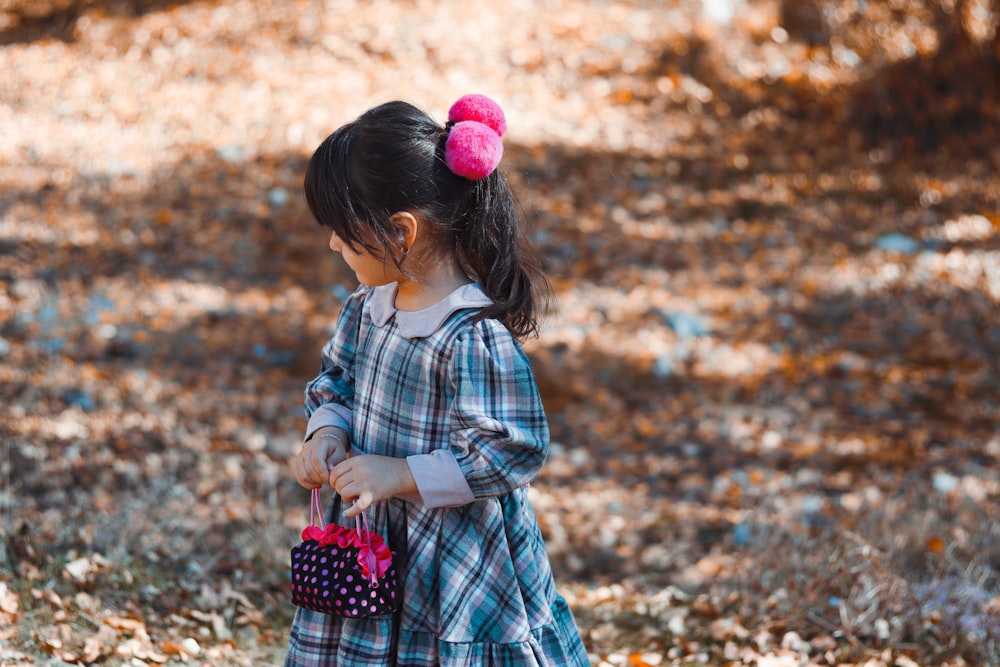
(369, 478)
(319, 455)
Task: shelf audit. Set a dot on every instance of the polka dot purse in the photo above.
(342, 571)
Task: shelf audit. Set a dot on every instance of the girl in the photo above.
(425, 385)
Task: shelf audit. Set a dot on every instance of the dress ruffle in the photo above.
(546, 647)
(369, 642)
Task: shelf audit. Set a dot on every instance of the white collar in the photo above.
(422, 323)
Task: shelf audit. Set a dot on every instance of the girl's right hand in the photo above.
(318, 456)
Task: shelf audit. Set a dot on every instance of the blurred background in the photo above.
(771, 377)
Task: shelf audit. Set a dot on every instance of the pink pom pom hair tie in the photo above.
(473, 149)
(479, 108)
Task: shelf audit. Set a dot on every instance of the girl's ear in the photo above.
(405, 226)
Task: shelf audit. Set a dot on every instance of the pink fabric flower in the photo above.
(376, 555)
(373, 554)
(473, 149)
(345, 537)
(313, 533)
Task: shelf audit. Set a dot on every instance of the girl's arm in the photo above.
(333, 389)
(499, 435)
(498, 441)
(329, 398)
(320, 453)
(328, 415)
(327, 439)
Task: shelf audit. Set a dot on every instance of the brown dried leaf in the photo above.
(131, 625)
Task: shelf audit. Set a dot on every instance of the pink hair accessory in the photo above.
(479, 108)
(473, 149)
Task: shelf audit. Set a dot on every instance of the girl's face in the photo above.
(370, 269)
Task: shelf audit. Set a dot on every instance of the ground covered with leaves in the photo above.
(772, 376)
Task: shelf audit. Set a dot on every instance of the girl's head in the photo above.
(391, 160)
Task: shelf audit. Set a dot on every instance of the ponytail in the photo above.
(493, 248)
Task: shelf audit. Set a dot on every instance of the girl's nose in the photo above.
(336, 244)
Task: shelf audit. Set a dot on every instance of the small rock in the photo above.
(277, 197)
(231, 153)
(882, 629)
(663, 367)
(793, 642)
(686, 325)
(79, 399)
(190, 646)
(727, 628)
(742, 534)
(340, 292)
(945, 482)
(897, 243)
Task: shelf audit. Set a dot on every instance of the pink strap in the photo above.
(316, 511)
(369, 552)
(316, 508)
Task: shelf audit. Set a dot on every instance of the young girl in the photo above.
(426, 414)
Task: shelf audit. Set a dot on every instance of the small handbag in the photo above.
(343, 571)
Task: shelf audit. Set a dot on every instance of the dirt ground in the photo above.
(771, 376)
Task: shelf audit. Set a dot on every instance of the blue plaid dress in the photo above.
(477, 586)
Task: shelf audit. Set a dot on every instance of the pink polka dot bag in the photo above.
(343, 571)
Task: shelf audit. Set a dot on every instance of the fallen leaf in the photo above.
(125, 624)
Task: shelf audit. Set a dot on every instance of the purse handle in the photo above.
(316, 510)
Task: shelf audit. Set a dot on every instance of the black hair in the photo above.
(391, 159)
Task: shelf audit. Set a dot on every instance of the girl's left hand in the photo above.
(368, 479)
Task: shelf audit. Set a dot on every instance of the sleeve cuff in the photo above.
(328, 414)
(439, 479)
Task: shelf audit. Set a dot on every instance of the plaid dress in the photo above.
(477, 588)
